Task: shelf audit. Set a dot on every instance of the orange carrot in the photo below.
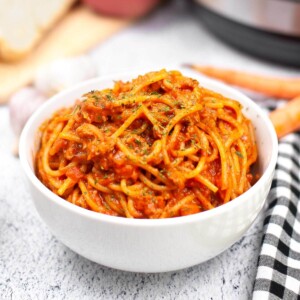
(287, 118)
(271, 86)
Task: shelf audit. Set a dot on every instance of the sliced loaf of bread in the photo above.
(24, 22)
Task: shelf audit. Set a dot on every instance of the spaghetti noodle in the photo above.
(160, 146)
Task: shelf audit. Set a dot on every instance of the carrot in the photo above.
(287, 118)
(271, 86)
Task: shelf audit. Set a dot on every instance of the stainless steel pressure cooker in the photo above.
(267, 28)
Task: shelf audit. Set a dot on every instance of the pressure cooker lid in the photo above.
(265, 44)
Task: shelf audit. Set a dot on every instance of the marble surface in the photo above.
(34, 265)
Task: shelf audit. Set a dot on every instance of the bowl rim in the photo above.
(23, 145)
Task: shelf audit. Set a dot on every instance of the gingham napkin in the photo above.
(278, 273)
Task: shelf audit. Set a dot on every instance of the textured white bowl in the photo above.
(149, 245)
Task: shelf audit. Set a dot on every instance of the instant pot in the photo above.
(266, 28)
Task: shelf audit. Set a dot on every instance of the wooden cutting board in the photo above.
(78, 31)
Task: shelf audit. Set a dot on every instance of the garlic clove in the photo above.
(64, 73)
(15, 147)
(21, 106)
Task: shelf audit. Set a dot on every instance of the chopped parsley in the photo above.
(238, 153)
(109, 97)
(155, 93)
(77, 108)
(138, 142)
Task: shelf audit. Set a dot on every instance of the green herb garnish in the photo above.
(238, 153)
(167, 108)
(109, 97)
(138, 142)
(155, 93)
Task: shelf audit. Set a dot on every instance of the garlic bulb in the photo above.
(64, 73)
(21, 106)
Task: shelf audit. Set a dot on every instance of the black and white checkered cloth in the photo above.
(278, 273)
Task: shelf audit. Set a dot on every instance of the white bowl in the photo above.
(149, 245)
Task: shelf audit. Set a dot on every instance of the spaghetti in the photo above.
(160, 146)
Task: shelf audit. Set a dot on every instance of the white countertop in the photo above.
(34, 265)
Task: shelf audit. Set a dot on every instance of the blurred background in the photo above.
(47, 46)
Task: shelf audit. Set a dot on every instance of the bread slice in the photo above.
(23, 23)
